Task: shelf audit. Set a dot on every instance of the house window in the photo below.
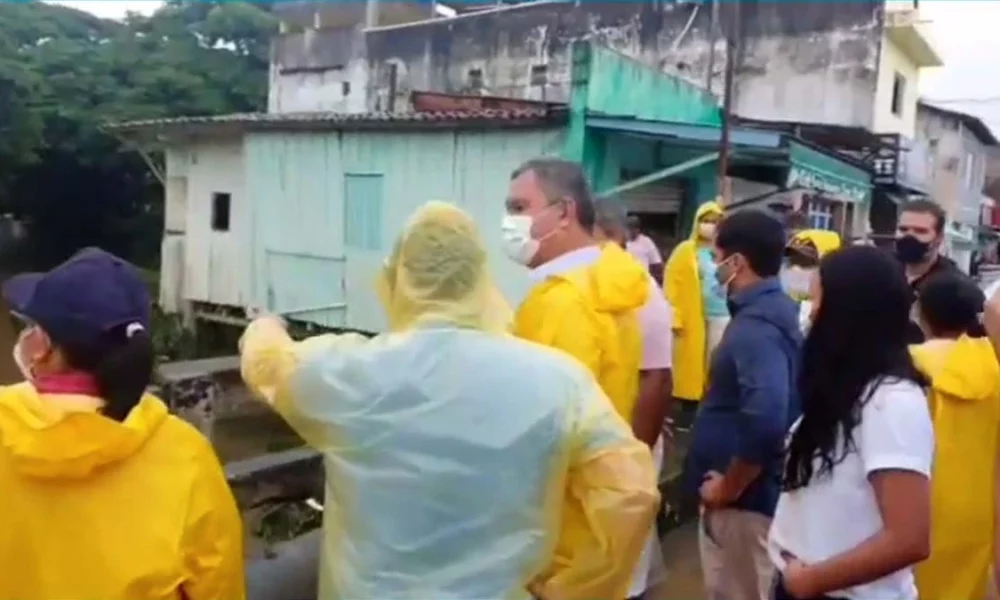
(363, 198)
(898, 94)
(345, 88)
(221, 204)
(475, 78)
(539, 75)
(820, 215)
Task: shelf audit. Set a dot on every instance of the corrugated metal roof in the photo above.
(979, 129)
(329, 120)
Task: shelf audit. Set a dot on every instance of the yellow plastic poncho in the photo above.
(457, 457)
(682, 287)
(590, 314)
(94, 508)
(965, 407)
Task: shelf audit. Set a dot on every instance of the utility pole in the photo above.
(732, 39)
(713, 30)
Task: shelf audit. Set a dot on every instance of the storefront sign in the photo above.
(884, 161)
(802, 176)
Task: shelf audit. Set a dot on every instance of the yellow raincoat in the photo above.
(590, 314)
(825, 241)
(682, 287)
(97, 509)
(965, 407)
(461, 462)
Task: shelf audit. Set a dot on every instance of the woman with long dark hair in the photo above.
(854, 516)
(965, 408)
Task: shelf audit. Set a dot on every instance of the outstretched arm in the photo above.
(269, 359)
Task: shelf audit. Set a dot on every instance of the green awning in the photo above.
(814, 170)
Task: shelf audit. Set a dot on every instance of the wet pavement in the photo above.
(681, 579)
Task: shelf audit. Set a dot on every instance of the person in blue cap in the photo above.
(103, 494)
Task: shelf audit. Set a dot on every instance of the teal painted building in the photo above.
(633, 127)
(296, 212)
(328, 207)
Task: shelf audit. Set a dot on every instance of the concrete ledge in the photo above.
(279, 477)
(274, 463)
(189, 369)
(205, 392)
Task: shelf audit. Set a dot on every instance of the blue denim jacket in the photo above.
(751, 399)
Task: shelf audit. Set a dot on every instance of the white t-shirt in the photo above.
(838, 511)
(656, 324)
(644, 251)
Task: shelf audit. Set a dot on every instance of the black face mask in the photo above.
(910, 250)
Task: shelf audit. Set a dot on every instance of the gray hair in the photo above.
(611, 217)
(560, 179)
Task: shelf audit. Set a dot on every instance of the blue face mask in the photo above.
(725, 281)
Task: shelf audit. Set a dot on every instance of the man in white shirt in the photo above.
(653, 405)
(643, 249)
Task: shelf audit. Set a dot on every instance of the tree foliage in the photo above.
(64, 73)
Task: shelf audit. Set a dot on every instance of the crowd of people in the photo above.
(843, 402)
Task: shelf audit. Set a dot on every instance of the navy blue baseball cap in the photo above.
(83, 299)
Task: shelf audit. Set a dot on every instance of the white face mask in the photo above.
(795, 280)
(518, 244)
(706, 230)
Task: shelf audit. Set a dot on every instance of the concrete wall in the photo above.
(959, 162)
(313, 71)
(800, 61)
(893, 61)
